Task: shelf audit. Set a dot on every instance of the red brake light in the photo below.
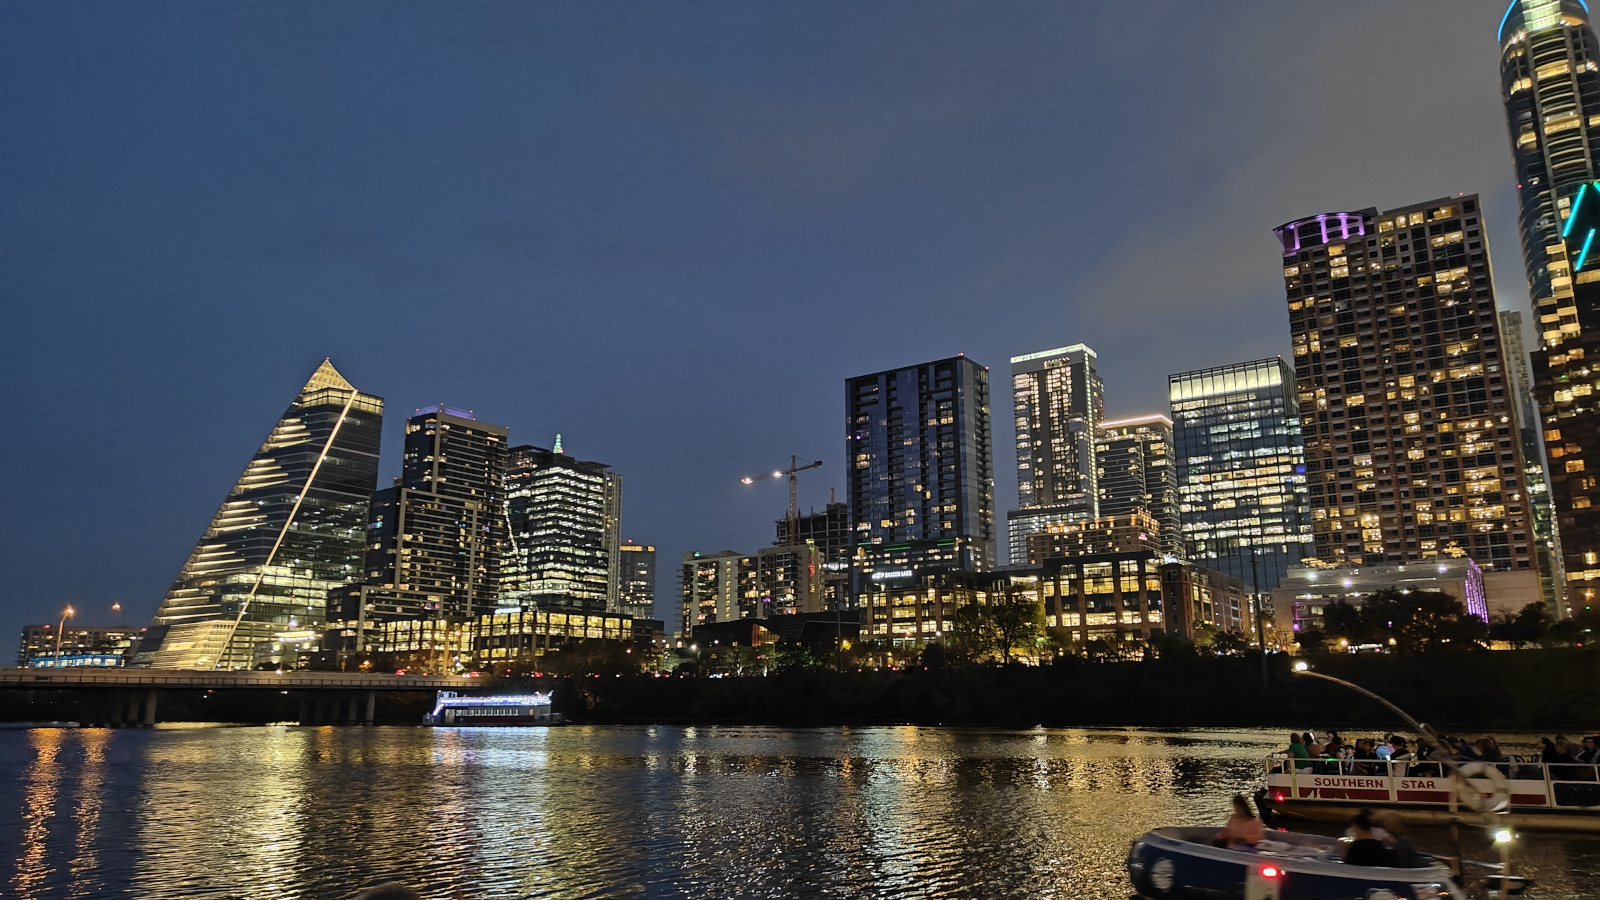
(1278, 796)
(1270, 871)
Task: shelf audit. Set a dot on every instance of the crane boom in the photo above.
(795, 468)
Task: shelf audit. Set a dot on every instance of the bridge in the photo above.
(127, 697)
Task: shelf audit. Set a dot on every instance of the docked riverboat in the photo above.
(1182, 863)
(1533, 795)
(452, 709)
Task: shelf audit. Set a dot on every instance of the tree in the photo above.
(1229, 643)
(972, 635)
(1017, 622)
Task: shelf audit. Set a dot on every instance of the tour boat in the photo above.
(1183, 863)
(520, 709)
(1532, 795)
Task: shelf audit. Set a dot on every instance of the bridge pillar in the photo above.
(372, 705)
(149, 718)
(303, 719)
(355, 718)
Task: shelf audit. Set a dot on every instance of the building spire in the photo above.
(558, 442)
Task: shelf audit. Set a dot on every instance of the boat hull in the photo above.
(1178, 864)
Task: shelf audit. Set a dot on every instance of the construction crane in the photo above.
(795, 468)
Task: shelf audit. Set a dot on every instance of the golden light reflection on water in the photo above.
(591, 812)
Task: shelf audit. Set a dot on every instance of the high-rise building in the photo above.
(1136, 472)
(1551, 89)
(1058, 401)
(1241, 471)
(565, 520)
(292, 528)
(637, 580)
(921, 470)
(833, 537)
(436, 539)
(1547, 542)
(1410, 443)
(718, 588)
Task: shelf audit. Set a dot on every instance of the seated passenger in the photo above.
(1243, 828)
(1401, 854)
(1365, 849)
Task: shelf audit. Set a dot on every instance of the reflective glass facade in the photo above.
(637, 580)
(291, 530)
(565, 515)
(1241, 469)
(921, 470)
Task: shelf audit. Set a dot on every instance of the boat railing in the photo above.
(1562, 784)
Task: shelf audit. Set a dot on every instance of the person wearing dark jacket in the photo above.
(1365, 848)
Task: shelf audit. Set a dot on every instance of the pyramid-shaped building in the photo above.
(292, 529)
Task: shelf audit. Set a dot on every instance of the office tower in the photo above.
(292, 528)
(565, 516)
(437, 538)
(637, 580)
(830, 533)
(921, 474)
(1136, 472)
(1406, 415)
(1242, 495)
(1058, 402)
(1551, 90)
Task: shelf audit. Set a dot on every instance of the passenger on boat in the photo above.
(1401, 853)
(1243, 828)
(1462, 750)
(1385, 747)
(1489, 750)
(1365, 849)
(1312, 746)
(1298, 753)
(1591, 751)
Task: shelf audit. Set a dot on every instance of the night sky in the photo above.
(666, 230)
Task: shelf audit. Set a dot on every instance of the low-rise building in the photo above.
(79, 646)
(1136, 532)
(1307, 590)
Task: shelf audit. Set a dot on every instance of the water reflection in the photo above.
(658, 812)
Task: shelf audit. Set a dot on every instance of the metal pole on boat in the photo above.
(1501, 835)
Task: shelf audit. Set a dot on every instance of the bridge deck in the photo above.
(184, 679)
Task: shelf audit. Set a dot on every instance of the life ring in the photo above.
(1482, 788)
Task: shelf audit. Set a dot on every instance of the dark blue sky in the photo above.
(668, 231)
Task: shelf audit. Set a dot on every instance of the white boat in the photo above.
(1183, 863)
(452, 709)
(1535, 795)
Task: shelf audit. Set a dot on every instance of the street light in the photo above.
(117, 608)
(65, 613)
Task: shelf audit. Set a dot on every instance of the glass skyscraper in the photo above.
(1550, 82)
(292, 529)
(638, 580)
(1058, 401)
(565, 516)
(436, 539)
(1241, 469)
(921, 469)
(1138, 473)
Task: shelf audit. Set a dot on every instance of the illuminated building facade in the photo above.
(291, 529)
(921, 469)
(718, 588)
(79, 646)
(1134, 533)
(565, 520)
(1406, 407)
(509, 636)
(1058, 401)
(1547, 542)
(637, 580)
(1242, 496)
(1300, 600)
(1137, 472)
(436, 539)
(1551, 88)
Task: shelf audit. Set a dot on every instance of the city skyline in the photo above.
(1037, 284)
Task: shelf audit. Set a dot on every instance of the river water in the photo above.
(302, 812)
